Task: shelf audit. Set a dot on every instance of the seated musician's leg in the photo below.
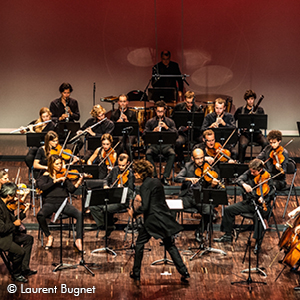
(170, 154)
(150, 153)
(98, 215)
(180, 142)
(243, 144)
(261, 140)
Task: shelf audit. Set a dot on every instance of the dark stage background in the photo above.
(226, 47)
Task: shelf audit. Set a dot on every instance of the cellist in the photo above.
(251, 181)
(276, 158)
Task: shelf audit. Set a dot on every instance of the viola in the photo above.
(219, 153)
(277, 156)
(208, 174)
(71, 174)
(263, 187)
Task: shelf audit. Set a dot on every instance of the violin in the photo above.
(109, 157)
(72, 174)
(207, 174)
(65, 154)
(277, 156)
(219, 153)
(263, 187)
(122, 178)
(14, 205)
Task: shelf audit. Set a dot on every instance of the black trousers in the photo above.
(142, 239)
(243, 207)
(26, 241)
(167, 151)
(181, 140)
(16, 256)
(49, 208)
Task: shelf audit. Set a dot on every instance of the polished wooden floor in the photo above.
(211, 274)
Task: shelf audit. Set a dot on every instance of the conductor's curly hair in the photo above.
(144, 168)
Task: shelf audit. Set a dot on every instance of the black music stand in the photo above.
(102, 197)
(35, 139)
(93, 142)
(232, 171)
(166, 94)
(88, 169)
(160, 138)
(249, 280)
(211, 197)
(222, 134)
(252, 122)
(63, 129)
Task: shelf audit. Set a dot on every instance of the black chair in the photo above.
(250, 216)
(7, 262)
(291, 169)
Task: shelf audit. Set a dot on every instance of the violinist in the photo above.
(3, 177)
(65, 108)
(276, 158)
(192, 177)
(120, 176)
(219, 118)
(56, 187)
(258, 137)
(161, 123)
(255, 175)
(18, 245)
(105, 156)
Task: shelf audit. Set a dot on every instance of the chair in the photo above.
(250, 216)
(7, 262)
(291, 169)
(55, 226)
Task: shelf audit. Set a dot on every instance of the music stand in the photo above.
(222, 134)
(211, 197)
(64, 127)
(232, 171)
(298, 125)
(88, 169)
(160, 138)
(252, 122)
(166, 94)
(102, 197)
(35, 139)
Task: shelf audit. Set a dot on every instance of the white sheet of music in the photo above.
(124, 195)
(88, 198)
(175, 203)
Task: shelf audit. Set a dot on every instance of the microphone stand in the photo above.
(94, 93)
(191, 130)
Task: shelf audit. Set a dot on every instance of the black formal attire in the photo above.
(53, 196)
(29, 158)
(182, 130)
(124, 145)
(57, 109)
(280, 180)
(186, 193)
(247, 206)
(158, 222)
(166, 149)
(245, 136)
(103, 168)
(20, 256)
(212, 118)
(98, 212)
(171, 69)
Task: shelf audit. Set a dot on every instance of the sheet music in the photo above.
(175, 203)
(124, 195)
(60, 210)
(88, 198)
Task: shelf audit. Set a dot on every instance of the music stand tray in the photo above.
(118, 130)
(35, 139)
(211, 197)
(162, 93)
(182, 118)
(232, 170)
(162, 137)
(222, 134)
(88, 169)
(64, 127)
(253, 121)
(102, 197)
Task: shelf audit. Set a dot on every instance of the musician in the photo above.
(65, 108)
(219, 118)
(187, 176)
(3, 176)
(55, 189)
(187, 106)
(158, 220)
(167, 67)
(19, 247)
(258, 137)
(272, 166)
(123, 114)
(101, 153)
(247, 181)
(125, 174)
(161, 123)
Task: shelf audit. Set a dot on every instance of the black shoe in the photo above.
(184, 277)
(29, 272)
(297, 288)
(110, 229)
(136, 278)
(224, 239)
(20, 278)
(164, 181)
(256, 249)
(199, 237)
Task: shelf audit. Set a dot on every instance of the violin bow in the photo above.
(65, 142)
(108, 153)
(122, 174)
